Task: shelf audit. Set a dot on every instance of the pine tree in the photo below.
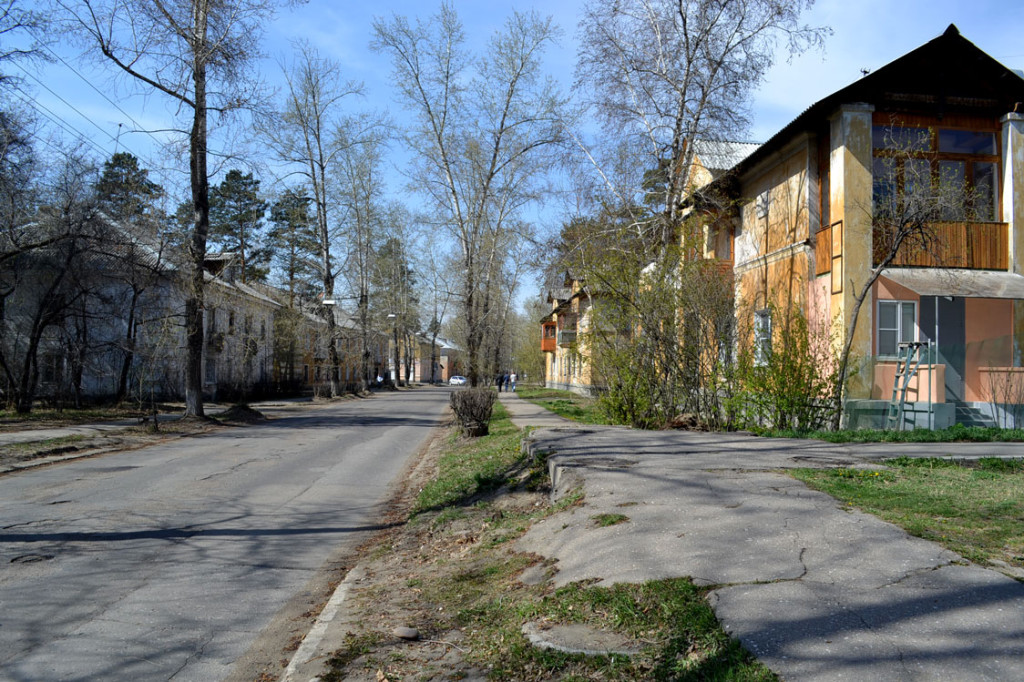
(292, 242)
(125, 191)
(236, 223)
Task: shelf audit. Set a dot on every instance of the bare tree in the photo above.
(911, 195)
(310, 133)
(662, 73)
(42, 286)
(362, 217)
(483, 129)
(196, 52)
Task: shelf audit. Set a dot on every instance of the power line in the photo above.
(67, 127)
(56, 120)
(68, 104)
(138, 126)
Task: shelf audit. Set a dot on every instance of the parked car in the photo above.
(457, 381)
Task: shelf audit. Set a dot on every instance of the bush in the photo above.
(472, 407)
(788, 389)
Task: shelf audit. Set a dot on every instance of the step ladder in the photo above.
(908, 362)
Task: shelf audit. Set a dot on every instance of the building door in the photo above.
(952, 338)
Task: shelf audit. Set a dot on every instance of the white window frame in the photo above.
(899, 326)
(762, 336)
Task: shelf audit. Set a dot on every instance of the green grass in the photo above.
(69, 416)
(954, 434)
(975, 509)
(605, 520)
(681, 637)
(565, 404)
(472, 466)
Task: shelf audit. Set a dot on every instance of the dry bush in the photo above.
(472, 407)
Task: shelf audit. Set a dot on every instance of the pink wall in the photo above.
(917, 390)
(989, 337)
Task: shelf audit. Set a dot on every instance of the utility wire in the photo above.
(138, 126)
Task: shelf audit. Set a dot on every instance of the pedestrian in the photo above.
(497, 380)
(504, 380)
(512, 378)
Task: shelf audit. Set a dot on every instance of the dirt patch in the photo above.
(241, 414)
(17, 455)
(407, 564)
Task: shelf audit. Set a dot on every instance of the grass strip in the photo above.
(972, 508)
(566, 404)
(958, 433)
(471, 466)
(466, 576)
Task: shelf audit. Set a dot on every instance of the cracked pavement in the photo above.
(198, 558)
(814, 590)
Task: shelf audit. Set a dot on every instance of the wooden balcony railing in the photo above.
(974, 246)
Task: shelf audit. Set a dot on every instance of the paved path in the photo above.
(816, 591)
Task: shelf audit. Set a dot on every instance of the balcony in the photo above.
(974, 246)
(547, 338)
(566, 337)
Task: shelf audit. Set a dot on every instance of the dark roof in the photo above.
(948, 74)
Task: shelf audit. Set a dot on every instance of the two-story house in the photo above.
(802, 232)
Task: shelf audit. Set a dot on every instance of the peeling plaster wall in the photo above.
(773, 258)
(850, 204)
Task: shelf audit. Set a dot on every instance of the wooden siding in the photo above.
(823, 252)
(974, 246)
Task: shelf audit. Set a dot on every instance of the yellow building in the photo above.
(804, 232)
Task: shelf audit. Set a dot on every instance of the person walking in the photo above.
(512, 378)
(498, 380)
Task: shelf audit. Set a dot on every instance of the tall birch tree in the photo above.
(198, 53)
(484, 131)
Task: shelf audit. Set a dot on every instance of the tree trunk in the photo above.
(129, 349)
(194, 302)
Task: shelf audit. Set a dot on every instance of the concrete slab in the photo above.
(815, 590)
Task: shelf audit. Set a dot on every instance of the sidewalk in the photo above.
(815, 591)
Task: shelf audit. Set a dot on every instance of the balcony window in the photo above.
(968, 160)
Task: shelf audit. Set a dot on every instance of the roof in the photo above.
(946, 74)
(560, 294)
(958, 282)
(719, 156)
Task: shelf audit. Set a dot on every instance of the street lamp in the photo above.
(394, 327)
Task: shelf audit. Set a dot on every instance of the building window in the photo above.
(211, 321)
(906, 157)
(762, 336)
(897, 323)
(211, 371)
(231, 322)
(50, 366)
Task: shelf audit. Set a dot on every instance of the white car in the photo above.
(457, 381)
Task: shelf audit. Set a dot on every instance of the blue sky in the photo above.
(867, 34)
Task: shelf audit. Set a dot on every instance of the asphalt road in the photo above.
(167, 563)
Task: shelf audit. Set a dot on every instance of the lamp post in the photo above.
(394, 328)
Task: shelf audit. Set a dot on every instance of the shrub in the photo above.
(472, 407)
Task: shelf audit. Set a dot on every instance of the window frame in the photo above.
(935, 156)
(762, 336)
(899, 303)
